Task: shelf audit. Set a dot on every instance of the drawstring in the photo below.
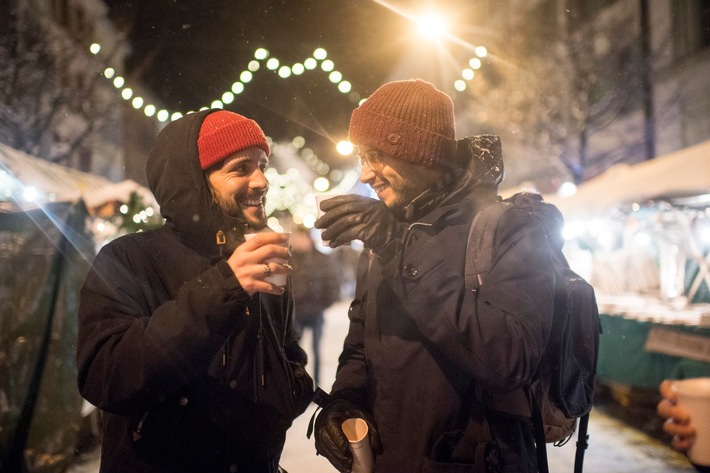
(260, 354)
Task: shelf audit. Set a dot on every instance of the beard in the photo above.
(407, 190)
(254, 216)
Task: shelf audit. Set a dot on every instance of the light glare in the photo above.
(431, 26)
(344, 147)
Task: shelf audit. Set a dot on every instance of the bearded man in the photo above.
(184, 344)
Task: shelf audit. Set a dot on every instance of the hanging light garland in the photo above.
(263, 56)
(288, 191)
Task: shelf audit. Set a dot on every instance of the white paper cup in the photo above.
(355, 430)
(275, 279)
(694, 395)
(319, 212)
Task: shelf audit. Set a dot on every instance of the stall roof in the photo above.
(679, 174)
(27, 182)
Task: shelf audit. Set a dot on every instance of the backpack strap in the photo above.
(582, 443)
(539, 434)
(480, 250)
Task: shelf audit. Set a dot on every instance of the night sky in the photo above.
(189, 52)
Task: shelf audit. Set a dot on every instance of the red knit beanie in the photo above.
(410, 120)
(224, 133)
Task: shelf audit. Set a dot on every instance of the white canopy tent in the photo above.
(682, 173)
(27, 182)
(674, 190)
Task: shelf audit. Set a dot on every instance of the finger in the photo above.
(252, 285)
(334, 214)
(271, 289)
(363, 206)
(345, 237)
(680, 415)
(681, 443)
(338, 200)
(665, 408)
(269, 252)
(341, 225)
(276, 267)
(672, 427)
(668, 390)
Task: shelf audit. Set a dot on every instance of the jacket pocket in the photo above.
(175, 432)
(287, 390)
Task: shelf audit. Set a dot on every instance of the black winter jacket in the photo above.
(192, 373)
(419, 344)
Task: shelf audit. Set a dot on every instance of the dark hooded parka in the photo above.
(191, 373)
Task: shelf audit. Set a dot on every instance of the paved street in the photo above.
(614, 447)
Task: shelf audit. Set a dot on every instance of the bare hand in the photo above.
(678, 422)
(249, 262)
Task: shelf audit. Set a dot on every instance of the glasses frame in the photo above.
(372, 158)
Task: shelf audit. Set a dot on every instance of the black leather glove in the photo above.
(330, 439)
(355, 217)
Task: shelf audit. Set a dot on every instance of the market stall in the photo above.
(47, 242)
(641, 234)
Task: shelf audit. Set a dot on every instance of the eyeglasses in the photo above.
(372, 158)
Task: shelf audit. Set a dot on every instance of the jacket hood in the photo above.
(180, 188)
(476, 174)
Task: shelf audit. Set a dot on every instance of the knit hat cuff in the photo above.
(400, 138)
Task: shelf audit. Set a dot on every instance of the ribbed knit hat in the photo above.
(224, 133)
(410, 120)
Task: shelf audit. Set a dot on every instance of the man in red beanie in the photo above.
(421, 350)
(184, 344)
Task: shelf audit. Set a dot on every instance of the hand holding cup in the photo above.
(694, 397)
(260, 264)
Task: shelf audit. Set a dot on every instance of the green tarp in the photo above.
(623, 359)
(44, 256)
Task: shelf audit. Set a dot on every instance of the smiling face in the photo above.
(239, 186)
(396, 182)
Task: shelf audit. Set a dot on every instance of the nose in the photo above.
(366, 174)
(258, 181)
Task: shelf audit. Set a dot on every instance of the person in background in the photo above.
(316, 286)
(678, 423)
(186, 347)
(424, 359)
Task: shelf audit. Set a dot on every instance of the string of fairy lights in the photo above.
(288, 191)
(318, 60)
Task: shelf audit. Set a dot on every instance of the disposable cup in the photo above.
(694, 395)
(356, 431)
(319, 212)
(275, 279)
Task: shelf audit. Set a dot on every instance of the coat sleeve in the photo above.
(351, 377)
(496, 337)
(137, 342)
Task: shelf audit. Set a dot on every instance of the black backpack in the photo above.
(563, 389)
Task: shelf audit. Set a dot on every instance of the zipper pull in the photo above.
(221, 240)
